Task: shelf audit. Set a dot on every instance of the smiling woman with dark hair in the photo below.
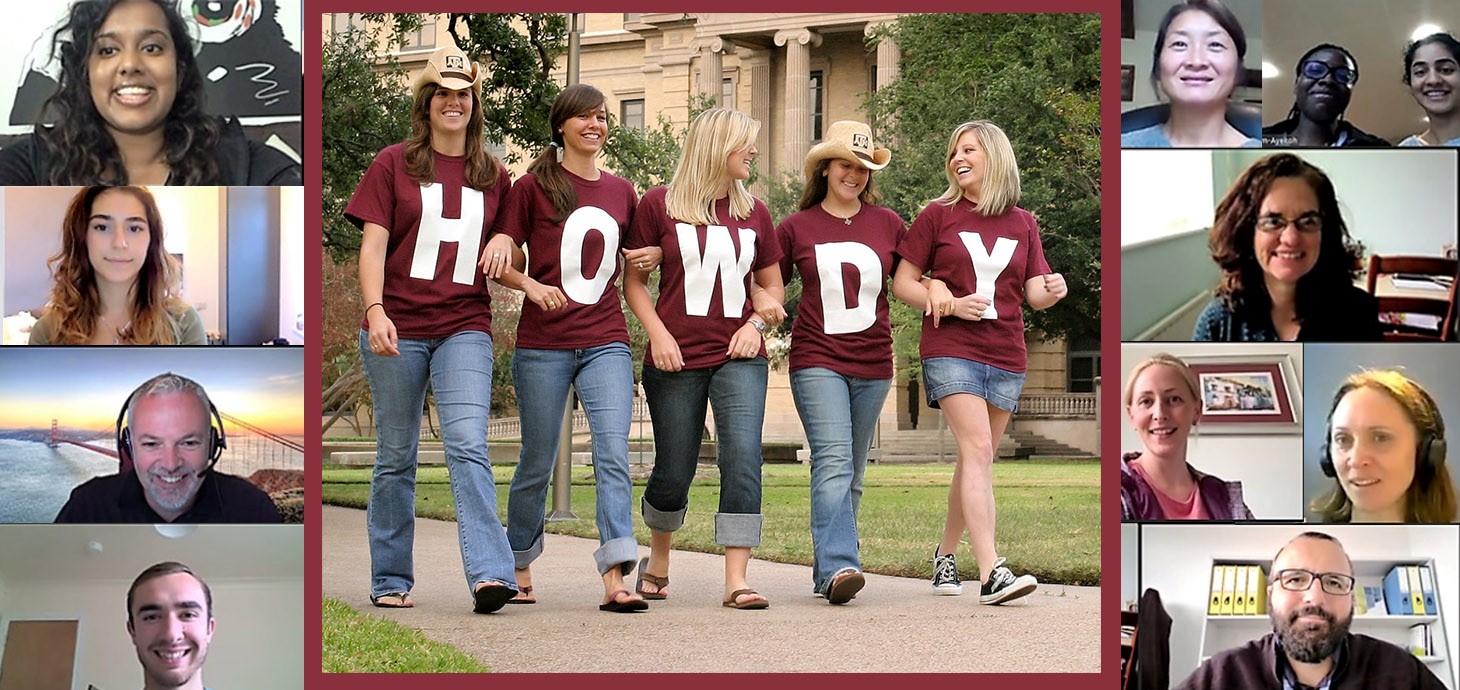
(1432, 74)
(129, 110)
(1322, 86)
(1287, 261)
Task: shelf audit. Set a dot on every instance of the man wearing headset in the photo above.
(168, 448)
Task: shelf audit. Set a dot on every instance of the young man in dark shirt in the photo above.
(171, 445)
(1310, 601)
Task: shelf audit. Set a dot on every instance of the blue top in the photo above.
(1412, 140)
(1349, 314)
(1154, 138)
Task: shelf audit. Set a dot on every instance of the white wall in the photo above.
(1163, 193)
(1176, 560)
(258, 641)
(1129, 563)
(1270, 466)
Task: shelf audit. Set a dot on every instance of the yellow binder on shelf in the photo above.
(1229, 585)
(1416, 591)
(1239, 592)
(1256, 591)
(1215, 607)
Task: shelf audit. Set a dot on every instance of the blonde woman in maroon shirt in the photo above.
(987, 253)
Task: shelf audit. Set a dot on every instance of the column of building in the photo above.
(798, 43)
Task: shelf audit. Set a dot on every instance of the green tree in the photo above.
(1038, 77)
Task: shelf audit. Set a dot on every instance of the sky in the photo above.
(84, 387)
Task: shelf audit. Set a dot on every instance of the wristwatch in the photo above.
(758, 325)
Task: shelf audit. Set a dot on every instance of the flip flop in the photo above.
(523, 596)
(491, 597)
(629, 606)
(734, 601)
(659, 583)
(394, 600)
(845, 585)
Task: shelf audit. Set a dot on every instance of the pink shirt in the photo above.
(579, 255)
(992, 256)
(1190, 509)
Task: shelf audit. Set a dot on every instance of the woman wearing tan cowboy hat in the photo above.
(573, 217)
(705, 342)
(841, 343)
(982, 247)
(424, 206)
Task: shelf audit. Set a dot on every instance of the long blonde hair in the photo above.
(1000, 190)
(712, 137)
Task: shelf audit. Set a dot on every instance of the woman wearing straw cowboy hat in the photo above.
(980, 245)
(705, 342)
(424, 206)
(841, 343)
(573, 217)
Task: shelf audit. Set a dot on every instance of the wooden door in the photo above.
(39, 655)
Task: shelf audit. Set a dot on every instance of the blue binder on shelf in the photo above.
(1427, 584)
(1396, 592)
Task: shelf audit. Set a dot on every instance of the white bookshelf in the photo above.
(1222, 632)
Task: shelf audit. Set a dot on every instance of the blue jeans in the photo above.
(839, 414)
(604, 379)
(459, 369)
(677, 401)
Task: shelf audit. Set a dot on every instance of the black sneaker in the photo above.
(1002, 586)
(945, 575)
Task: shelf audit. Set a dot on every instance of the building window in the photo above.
(340, 23)
(631, 114)
(727, 93)
(1083, 364)
(818, 87)
(421, 39)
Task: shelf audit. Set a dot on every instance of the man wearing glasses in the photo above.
(1323, 83)
(1310, 601)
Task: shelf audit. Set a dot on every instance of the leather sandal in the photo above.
(617, 606)
(735, 603)
(524, 596)
(659, 583)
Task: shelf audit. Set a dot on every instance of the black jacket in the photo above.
(241, 162)
(1364, 663)
(118, 498)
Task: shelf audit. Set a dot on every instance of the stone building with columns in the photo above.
(795, 73)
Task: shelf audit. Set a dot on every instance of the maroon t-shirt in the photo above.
(579, 255)
(704, 284)
(842, 324)
(972, 252)
(433, 287)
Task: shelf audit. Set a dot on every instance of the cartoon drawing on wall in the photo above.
(247, 50)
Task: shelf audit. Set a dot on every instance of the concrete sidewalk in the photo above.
(895, 625)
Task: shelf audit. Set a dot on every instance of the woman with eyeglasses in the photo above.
(1196, 63)
(1433, 77)
(1322, 86)
(1287, 262)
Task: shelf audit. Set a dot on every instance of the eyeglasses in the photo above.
(1317, 69)
(1299, 580)
(1308, 223)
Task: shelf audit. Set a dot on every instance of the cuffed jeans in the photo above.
(604, 379)
(677, 401)
(839, 414)
(459, 369)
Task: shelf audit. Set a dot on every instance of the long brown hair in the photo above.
(75, 302)
(1232, 237)
(816, 185)
(576, 99)
(1431, 496)
(481, 167)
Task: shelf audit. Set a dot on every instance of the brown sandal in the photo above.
(524, 596)
(616, 605)
(735, 603)
(659, 583)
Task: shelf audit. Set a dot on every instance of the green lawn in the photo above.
(1048, 512)
(357, 643)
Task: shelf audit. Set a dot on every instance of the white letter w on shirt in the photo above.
(465, 231)
(718, 260)
(988, 265)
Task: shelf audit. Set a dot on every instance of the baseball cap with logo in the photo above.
(452, 69)
(848, 140)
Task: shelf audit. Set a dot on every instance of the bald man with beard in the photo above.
(1310, 601)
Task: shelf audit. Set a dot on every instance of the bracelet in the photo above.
(375, 304)
(758, 325)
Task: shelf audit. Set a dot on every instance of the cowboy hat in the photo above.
(848, 140)
(452, 69)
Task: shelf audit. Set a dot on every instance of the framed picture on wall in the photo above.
(1127, 82)
(1242, 394)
